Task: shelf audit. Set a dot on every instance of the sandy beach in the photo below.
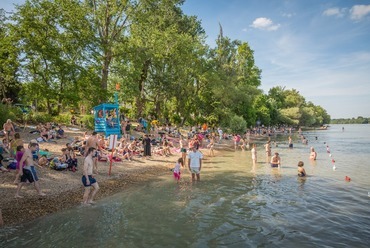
(64, 188)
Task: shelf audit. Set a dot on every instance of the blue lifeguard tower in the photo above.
(107, 119)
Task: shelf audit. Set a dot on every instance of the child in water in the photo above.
(176, 170)
(301, 170)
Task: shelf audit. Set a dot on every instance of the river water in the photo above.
(235, 205)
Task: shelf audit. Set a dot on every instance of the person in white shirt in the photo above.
(195, 163)
(220, 134)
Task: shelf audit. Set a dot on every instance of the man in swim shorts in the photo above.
(87, 179)
(28, 173)
(275, 160)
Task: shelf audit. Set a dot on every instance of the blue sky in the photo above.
(321, 48)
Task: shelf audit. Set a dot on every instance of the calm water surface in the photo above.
(235, 205)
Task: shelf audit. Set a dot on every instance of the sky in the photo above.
(319, 47)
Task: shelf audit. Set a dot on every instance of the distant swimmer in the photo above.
(342, 129)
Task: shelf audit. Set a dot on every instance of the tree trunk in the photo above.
(48, 106)
(105, 70)
(140, 100)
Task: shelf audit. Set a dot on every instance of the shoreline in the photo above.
(64, 189)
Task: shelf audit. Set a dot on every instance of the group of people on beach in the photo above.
(164, 141)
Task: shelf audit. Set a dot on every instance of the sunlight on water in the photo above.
(234, 205)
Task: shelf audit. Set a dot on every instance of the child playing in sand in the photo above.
(176, 170)
(301, 170)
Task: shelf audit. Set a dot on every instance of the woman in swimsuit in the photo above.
(8, 129)
(313, 154)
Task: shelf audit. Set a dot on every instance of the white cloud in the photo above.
(359, 11)
(288, 15)
(335, 12)
(264, 24)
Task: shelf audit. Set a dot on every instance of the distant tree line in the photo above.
(358, 120)
(59, 55)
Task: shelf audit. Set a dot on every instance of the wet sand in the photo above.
(64, 188)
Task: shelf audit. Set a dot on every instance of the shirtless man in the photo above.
(93, 142)
(87, 179)
(275, 160)
(28, 173)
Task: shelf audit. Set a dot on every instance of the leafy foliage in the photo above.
(71, 53)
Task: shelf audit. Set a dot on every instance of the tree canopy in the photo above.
(71, 53)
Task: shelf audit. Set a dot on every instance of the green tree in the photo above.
(9, 64)
(53, 48)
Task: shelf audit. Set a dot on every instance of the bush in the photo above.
(40, 118)
(87, 121)
(64, 118)
(9, 112)
(237, 124)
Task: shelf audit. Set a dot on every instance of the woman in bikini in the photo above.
(8, 130)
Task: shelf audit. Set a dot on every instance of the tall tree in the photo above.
(53, 39)
(9, 64)
(110, 20)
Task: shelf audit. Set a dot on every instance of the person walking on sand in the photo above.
(195, 163)
(93, 142)
(87, 178)
(28, 173)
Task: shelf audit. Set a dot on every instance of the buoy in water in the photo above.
(330, 155)
(347, 178)
(334, 168)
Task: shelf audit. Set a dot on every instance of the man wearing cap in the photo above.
(195, 162)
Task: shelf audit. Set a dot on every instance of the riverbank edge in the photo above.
(23, 210)
(17, 211)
